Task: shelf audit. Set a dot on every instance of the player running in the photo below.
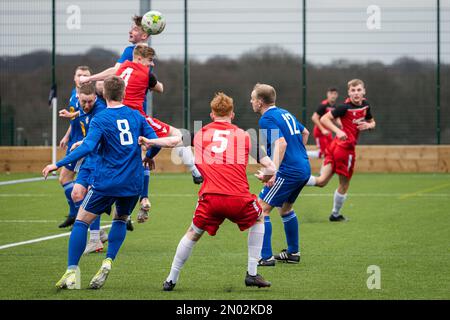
(322, 135)
(221, 154)
(74, 133)
(355, 116)
(117, 179)
(285, 138)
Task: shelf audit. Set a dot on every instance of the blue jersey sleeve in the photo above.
(127, 54)
(88, 145)
(273, 132)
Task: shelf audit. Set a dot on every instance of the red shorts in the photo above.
(322, 142)
(342, 159)
(161, 129)
(213, 209)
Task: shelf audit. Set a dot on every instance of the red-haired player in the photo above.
(221, 154)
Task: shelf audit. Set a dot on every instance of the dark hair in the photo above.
(83, 68)
(113, 88)
(332, 89)
(137, 20)
(87, 88)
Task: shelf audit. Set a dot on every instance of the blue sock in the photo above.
(115, 238)
(144, 193)
(290, 222)
(266, 251)
(68, 187)
(95, 225)
(77, 242)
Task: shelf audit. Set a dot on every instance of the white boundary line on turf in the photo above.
(188, 195)
(65, 234)
(5, 183)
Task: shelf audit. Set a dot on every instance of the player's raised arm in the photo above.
(101, 75)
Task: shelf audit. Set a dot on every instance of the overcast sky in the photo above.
(335, 29)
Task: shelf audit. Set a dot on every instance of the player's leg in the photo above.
(291, 230)
(315, 154)
(187, 156)
(340, 195)
(116, 237)
(345, 163)
(184, 250)
(66, 179)
(145, 204)
(326, 173)
(267, 259)
(77, 244)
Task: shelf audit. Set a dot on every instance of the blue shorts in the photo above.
(97, 204)
(84, 177)
(285, 189)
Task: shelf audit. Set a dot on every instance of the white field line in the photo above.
(34, 221)
(65, 234)
(372, 195)
(5, 183)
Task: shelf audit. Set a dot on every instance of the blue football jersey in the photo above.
(74, 106)
(276, 123)
(84, 120)
(115, 132)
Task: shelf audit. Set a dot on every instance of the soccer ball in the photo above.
(153, 22)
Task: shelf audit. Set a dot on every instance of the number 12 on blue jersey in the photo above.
(292, 128)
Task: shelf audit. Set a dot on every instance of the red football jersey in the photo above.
(136, 77)
(323, 108)
(351, 115)
(221, 156)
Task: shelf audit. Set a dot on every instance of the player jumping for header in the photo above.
(355, 116)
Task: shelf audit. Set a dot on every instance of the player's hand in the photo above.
(84, 79)
(48, 169)
(143, 141)
(364, 126)
(271, 182)
(325, 132)
(341, 135)
(149, 162)
(76, 145)
(65, 114)
(261, 176)
(63, 142)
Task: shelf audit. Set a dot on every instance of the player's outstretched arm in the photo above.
(101, 75)
(167, 142)
(327, 121)
(159, 87)
(88, 145)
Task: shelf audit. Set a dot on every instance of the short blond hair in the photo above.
(222, 105)
(265, 92)
(355, 82)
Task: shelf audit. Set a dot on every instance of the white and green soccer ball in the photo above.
(153, 22)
